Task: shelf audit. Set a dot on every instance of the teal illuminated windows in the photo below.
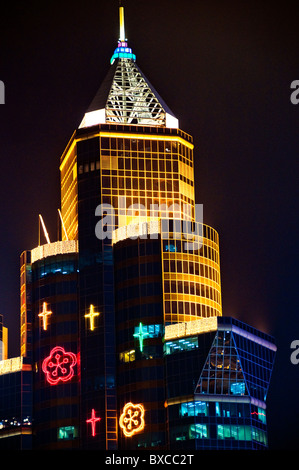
(241, 433)
(183, 344)
(123, 53)
(67, 432)
(189, 432)
(147, 331)
(194, 408)
(237, 388)
(198, 431)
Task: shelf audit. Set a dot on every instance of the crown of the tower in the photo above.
(126, 96)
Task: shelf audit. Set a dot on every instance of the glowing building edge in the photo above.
(194, 327)
(153, 227)
(53, 249)
(14, 364)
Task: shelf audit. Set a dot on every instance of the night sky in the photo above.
(225, 69)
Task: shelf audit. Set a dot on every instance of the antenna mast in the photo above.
(44, 229)
(122, 35)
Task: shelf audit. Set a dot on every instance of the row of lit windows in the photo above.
(183, 344)
(176, 245)
(149, 184)
(223, 432)
(162, 167)
(144, 145)
(176, 208)
(192, 288)
(59, 265)
(196, 269)
(177, 311)
(202, 250)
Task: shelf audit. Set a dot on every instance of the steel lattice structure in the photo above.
(131, 99)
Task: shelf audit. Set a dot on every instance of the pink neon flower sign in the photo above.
(59, 366)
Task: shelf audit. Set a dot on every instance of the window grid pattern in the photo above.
(222, 373)
(146, 172)
(191, 278)
(218, 425)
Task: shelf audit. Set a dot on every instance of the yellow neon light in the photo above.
(132, 419)
(126, 136)
(44, 314)
(91, 316)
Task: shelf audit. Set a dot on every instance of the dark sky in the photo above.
(225, 69)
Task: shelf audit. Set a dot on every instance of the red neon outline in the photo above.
(51, 368)
(93, 421)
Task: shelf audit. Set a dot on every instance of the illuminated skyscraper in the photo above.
(122, 319)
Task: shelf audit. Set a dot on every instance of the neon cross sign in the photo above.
(141, 335)
(91, 316)
(44, 314)
(93, 421)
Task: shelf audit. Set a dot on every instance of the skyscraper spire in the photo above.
(122, 35)
(126, 96)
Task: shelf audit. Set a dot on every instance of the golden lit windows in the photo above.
(127, 356)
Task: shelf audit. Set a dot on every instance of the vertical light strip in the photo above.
(122, 36)
(62, 223)
(44, 229)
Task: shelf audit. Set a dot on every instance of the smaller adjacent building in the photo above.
(198, 383)
(56, 355)
(49, 339)
(211, 378)
(15, 404)
(217, 385)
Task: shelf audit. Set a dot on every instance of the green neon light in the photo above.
(141, 335)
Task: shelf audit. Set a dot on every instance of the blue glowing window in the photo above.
(151, 331)
(194, 408)
(171, 248)
(238, 388)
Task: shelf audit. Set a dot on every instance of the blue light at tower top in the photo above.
(123, 52)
